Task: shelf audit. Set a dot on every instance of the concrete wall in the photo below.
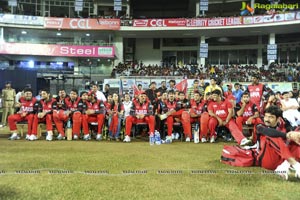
(144, 52)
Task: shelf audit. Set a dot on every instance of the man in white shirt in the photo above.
(290, 109)
(99, 95)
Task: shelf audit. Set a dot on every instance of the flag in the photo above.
(182, 86)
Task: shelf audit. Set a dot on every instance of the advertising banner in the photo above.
(215, 22)
(57, 50)
(82, 24)
(159, 23)
(21, 19)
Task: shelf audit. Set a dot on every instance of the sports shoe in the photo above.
(168, 140)
(151, 139)
(86, 137)
(177, 135)
(14, 136)
(163, 116)
(99, 137)
(32, 137)
(212, 139)
(203, 140)
(27, 137)
(282, 170)
(75, 137)
(245, 142)
(188, 139)
(60, 137)
(173, 136)
(49, 136)
(127, 139)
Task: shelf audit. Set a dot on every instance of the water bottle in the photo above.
(196, 133)
(157, 137)
(69, 125)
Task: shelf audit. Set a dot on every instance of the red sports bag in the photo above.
(236, 156)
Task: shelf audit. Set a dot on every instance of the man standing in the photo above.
(237, 92)
(8, 98)
(151, 92)
(193, 89)
(290, 106)
(213, 86)
(106, 90)
(163, 87)
(99, 95)
(256, 90)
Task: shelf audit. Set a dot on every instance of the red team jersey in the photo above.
(27, 106)
(140, 109)
(171, 105)
(46, 106)
(73, 105)
(249, 109)
(198, 108)
(256, 92)
(220, 109)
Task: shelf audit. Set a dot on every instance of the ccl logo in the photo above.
(80, 24)
(246, 9)
(157, 22)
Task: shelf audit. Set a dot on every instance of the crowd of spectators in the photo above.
(289, 72)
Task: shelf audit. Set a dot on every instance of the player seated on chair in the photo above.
(199, 114)
(69, 109)
(94, 112)
(247, 113)
(290, 106)
(25, 113)
(173, 111)
(221, 112)
(44, 110)
(141, 112)
(116, 113)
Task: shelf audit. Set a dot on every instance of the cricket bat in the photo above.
(69, 133)
(196, 134)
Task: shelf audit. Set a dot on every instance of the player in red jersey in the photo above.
(44, 110)
(276, 150)
(198, 113)
(247, 113)
(95, 112)
(71, 110)
(26, 113)
(256, 90)
(141, 111)
(221, 113)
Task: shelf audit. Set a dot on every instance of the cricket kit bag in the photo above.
(236, 156)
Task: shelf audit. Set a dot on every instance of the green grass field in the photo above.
(129, 171)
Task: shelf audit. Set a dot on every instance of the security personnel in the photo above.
(8, 98)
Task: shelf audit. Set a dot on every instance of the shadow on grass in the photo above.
(9, 193)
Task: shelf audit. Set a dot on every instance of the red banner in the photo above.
(57, 50)
(159, 22)
(82, 24)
